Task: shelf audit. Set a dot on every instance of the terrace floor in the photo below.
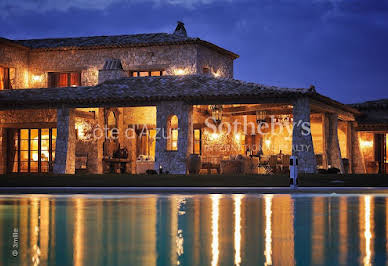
(230, 181)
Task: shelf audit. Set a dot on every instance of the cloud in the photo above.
(9, 7)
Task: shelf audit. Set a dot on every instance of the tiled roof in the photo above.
(381, 104)
(150, 90)
(11, 43)
(134, 40)
(374, 114)
(100, 41)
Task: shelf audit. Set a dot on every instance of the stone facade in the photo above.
(88, 62)
(66, 145)
(95, 153)
(174, 161)
(16, 57)
(302, 140)
(334, 158)
(357, 159)
(218, 64)
(20, 117)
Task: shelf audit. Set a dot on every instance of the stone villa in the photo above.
(149, 96)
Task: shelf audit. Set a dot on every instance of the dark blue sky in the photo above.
(340, 46)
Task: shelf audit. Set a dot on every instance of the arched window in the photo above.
(112, 123)
(172, 133)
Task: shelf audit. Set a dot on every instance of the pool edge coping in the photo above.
(197, 190)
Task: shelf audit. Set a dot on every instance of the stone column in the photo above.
(302, 141)
(65, 144)
(3, 150)
(325, 134)
(112, 70)
(349, 146)
(358, 163)
(174, 161)
(333, 151)
(95, 157)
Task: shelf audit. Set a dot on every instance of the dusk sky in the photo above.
(340, 46)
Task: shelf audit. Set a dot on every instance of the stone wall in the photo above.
(14, 57)
(89, 145)
(174, 161)
(219, 64)
(334, 158)
(66, 142)
(302, 142)
(358, 163)
(139, 116)
(28, 116)
(32, 66)
(90, 61)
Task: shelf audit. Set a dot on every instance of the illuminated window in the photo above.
(172, 133)
(144, 74)
(174, 139)
(31, 150)
(64, 79)
(197, 141)
(155, 73)
(7, 78)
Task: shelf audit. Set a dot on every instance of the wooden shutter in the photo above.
(6, 79)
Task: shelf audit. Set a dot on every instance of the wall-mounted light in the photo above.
(366, 143)
(37, 78)
(214, 136)
(180, 71)
(237, 137)
(268, 143)
(216, 74)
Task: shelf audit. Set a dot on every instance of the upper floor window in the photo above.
(64, 79)
(7, 78)
(155, 73)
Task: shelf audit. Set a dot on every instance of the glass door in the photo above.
(31, 150)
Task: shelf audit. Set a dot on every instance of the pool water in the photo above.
(205, 229)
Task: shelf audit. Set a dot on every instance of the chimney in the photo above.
(112, 69)
(180, 30)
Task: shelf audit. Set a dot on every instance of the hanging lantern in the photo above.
(216, 111)
(260, 116)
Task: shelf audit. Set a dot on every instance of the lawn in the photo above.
(116, 180)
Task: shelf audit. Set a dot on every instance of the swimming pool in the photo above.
(205, 229)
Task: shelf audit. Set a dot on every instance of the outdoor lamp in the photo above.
(216, 113)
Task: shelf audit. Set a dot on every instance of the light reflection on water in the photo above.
(195, 230)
